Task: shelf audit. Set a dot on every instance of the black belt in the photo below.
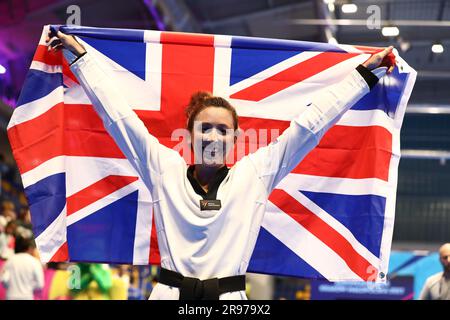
(196, 289)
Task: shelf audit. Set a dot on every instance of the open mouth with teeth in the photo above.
(211, 151)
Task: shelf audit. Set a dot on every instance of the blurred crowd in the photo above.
(15, 219)
(22, 274)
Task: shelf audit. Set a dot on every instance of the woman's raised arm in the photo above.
(279, 158)
(142, 149)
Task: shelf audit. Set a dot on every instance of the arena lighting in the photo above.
(332, 40)
(2, 69)
(437, 48)
(390, 31)
(349, 8)
(405, 45)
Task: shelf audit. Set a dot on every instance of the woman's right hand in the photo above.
(63, 40)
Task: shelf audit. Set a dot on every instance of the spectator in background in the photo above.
(22, 274)
(3, 241)
(3, 221)
(25, 218)
(9, 238)
(95, 282)
(5, 169)
(134, 288)
(24, 226)
(8, 205)
(9, 215)
(437, 287)
(7, 212)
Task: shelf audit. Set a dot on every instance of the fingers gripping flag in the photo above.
(332, 217)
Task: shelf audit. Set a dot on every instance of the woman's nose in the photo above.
(211, 135)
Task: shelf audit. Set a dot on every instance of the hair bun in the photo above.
(199, 97)
(197, 100)
(200, 100)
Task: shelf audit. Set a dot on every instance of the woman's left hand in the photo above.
(380, 59)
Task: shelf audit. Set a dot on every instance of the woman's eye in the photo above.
(208, 128)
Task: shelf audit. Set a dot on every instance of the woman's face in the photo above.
(213, 136)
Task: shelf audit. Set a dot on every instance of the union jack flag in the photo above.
(332, 217)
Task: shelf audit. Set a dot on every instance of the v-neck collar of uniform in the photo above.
(213, 186)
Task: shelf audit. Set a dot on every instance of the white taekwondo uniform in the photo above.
(211, 243)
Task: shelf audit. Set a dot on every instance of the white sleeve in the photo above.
(280, 157)
(142, 149)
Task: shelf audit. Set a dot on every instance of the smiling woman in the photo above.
(207, 215)
(212, 124)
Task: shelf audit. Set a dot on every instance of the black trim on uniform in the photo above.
(196, 289)
(370, 78)
(213, 185)
(78, 58)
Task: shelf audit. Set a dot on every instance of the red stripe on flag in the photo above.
(53, 58)
(85, 134)
(96, 191)
(350, 152)
(325, 233)
(291, 76)
(187, 39)
(62, 254)
(72, 130)
(187, 67)
(38, 140)
(154, 256)
(67, 72)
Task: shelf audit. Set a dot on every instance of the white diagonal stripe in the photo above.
(307, 246)
(365, 118)
(294, 99)
(37, 65)
(336, 225)
(35, 108)
(139, 94)
(52, 238)
(103, 202)
(99, 168)
(271, 71)
(48, 168)
(304, 182)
